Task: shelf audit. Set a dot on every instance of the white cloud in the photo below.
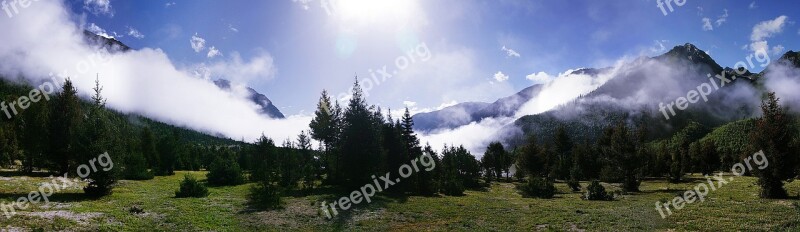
(233, 29)
(143, 82)
(93, 28)
(768, 28)
(303, 3)
(135, 33)
(198, 44)
(99, 7)
(510, 52)
(235, 69)
(722, 18)
(764, 30)
(169, 4)
(474, 136)
(707, 25)
(213, 52)
(540, 77)
(752, 5)
(409, 104)
(659, 47)
(699, 10)
(778, 50)
(500, 77)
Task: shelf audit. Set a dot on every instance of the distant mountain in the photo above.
(633, 94)
(636, 93)
(109, 44)
(267, 108)
(448, 117)
(113, 45)
(468, 112)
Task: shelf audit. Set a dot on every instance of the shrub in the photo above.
(453, 188)
(596, 192)
(136, 168)
(266, 195)
(191, 188)
(225, 172)
(574, 185)
(539, 188)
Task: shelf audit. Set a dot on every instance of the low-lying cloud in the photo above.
(43, 39)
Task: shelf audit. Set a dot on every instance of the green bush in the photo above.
(596, 192)
(225, 172)
(266, 195)
(136, 168)
(574, 185)
(539, 188)
(191, 188)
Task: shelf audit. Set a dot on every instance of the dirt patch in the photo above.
(80, 218)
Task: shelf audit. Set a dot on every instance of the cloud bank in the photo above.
(43, 40)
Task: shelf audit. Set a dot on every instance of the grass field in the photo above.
(733, 207)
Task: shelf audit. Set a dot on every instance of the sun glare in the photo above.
(373, 12)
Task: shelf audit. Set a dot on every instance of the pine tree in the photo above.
(360, 141)
(266, 193)
(64, 126)
(307, 162)
(148, 148)
(563, 153)
(324, 129)
(529, 162)
(35, 135)
(773, 135)
(97, 141)
(429, 180)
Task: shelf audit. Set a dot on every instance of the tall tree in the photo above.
(308, 164)
(620, 148)
(360, 146)
(148, 148)
(35, 135)
(324, 129)
(563, 153)
(773, 135)
(97, 143)
(65, 125)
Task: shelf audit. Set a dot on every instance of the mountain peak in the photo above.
(792, 57)
(692, 53)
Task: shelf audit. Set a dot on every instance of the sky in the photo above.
(456, 50)
(423, 55)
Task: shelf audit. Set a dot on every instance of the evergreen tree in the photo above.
(621, 150)
(773, 135)
(266, 193)
(563, 153)
(35, 135)
(136, 167)
(288, 166)
(65, 126)
(529, 162)
(429, 180)
(360, 145)
(96, 141)
(324, 128)
(148, 148)
(307, 162)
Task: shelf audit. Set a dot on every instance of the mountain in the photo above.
(448, 117)
(633, 92)
(112, 45)
(468, 112)
(267, 108)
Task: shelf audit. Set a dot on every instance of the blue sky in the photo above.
(294, 49)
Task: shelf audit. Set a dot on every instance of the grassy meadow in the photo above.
(733, 207)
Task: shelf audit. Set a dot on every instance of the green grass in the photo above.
(733, 207)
